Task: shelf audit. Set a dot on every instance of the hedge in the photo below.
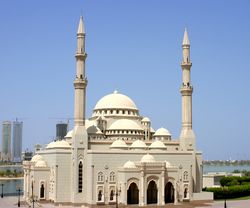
(230, 192)
(234, 180)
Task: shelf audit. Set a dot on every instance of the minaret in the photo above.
(79, 136)
(80, 82)
(187, 136)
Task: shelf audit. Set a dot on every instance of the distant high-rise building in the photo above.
(17, 141)
(6, 141)
(61, 130)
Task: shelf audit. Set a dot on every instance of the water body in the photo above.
(224, 168)
(18, 168)
(10, 186)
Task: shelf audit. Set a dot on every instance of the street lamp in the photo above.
(2, 190)
(19, 190)
(32, 189)
(225, 198)
(116, 196)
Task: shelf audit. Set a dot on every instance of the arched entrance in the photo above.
(42, 191)
(185, 193)
(169, 193)
(152, 193)
(133, 194)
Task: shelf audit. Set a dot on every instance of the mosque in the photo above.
(116, 156)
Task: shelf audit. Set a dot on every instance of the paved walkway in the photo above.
(11, 202)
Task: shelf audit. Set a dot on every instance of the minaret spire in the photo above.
(81, 29)
(187, 136)
(80, 82)
(185, 38)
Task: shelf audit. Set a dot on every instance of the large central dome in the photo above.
(115, 100)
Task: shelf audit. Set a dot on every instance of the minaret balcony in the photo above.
(80, 83)
(186, 90)
(186, 64)
(81, 55)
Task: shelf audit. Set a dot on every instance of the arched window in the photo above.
(80, 177)
(100, 195)
(185, 176)
(185, 192)
(100, 177)
(111, 198)
(112, 176)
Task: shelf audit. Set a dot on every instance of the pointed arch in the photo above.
(42, 190)
(133, 194)
(99, 195)
(152, 193)
(169, 193)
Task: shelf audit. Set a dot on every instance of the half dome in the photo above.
(119, 144)
(115, 101)
(129, 164)
(157, 145)
(61, 144)
(36, 158)
(148, 158)
(138, 144)
(145, 119)
(162, 132)
(125, 124)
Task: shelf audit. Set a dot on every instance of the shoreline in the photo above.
(10, 178)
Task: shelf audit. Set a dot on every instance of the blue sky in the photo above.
(134, 47)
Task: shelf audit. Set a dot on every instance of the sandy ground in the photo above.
(10, 202)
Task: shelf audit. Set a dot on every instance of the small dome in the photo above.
(115, 101)
(69, 134)
(129, 164)
(138, 144)
(148, 158)
(58, 144)
(157, 145)
(41, 164)
(119, 144)
(125, 124)
(162, 132)
(36, 158)
(168, 164)
(152, 130)
(145, 119)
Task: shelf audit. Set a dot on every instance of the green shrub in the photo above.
(234, 180)
(230, 192)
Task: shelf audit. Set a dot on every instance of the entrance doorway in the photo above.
(152, 193)
(169, 193)
(133, 194)
(42, 191)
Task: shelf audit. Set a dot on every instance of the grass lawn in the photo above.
(240, 198)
